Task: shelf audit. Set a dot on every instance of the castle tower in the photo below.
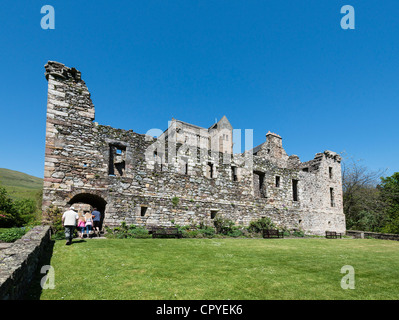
(70, 115)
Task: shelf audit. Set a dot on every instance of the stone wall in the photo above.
(19, 262)
(376, 235)
(134, 177)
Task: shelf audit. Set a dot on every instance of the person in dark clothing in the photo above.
(96, 221)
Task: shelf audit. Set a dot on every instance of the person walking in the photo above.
(89, 223)
(96, 221)
(69, 219)
(81, 225)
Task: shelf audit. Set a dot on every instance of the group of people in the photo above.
(88, 222)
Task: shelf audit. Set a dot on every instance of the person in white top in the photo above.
(69, 219)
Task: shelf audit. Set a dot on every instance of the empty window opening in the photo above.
(143, 211)
(234, 173)
(117, 157)
(330, 172)
(332, 197)
(259, 184)
(158, 158)
(277, 181)
(305, 169)
(209, 170)
(186, 168)
(213, 214)
(294, 190)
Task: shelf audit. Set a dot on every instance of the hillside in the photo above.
(20, 185)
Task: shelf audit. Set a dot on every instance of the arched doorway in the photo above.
(93, 200)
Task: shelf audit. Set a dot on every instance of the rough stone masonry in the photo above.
(188, 175)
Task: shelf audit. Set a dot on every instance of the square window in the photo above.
(143, 211)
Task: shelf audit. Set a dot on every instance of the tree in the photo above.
(9, 215)
(363, 206)
(389, 189)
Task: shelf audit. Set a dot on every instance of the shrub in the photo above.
(60, 235)
(207, 231)
(298, 233)
(53, 216)
(126, 232)
(12, 234)
(9, 214)
(6, 220)
(137, 232)
(25, 206)
(235, 232)
(223, 226)
(261, 224)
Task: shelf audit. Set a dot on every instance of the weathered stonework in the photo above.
(134, 177)
(18, 263)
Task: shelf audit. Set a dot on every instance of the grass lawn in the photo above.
(223, 269)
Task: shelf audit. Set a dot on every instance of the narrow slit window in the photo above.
(332, 197)
(209, 170)
(295, 190)
(277, 181)
(330, 172)
(234, 173)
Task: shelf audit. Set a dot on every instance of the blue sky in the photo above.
(286, 66)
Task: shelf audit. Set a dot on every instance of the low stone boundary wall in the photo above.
(375, 235)
(19, 262)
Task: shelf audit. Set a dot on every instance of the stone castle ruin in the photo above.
(187, 175)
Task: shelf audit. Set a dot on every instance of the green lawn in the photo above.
(223, 269)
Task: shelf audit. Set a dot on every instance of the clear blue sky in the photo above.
(286, 66)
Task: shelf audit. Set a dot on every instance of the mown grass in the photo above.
(207, 269)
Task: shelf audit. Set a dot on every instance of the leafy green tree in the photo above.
(363, 206)
(390, 195)
(25, 206)
(9, 215)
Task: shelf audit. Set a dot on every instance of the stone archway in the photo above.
(94, 200)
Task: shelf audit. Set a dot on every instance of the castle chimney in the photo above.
(274, 139)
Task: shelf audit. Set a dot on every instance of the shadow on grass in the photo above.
(34, 291)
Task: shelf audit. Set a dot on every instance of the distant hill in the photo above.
(20, 185)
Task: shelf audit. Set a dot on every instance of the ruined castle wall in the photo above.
(133, 178)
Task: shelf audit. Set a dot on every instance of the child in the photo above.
(89, 223)
(81, 225)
